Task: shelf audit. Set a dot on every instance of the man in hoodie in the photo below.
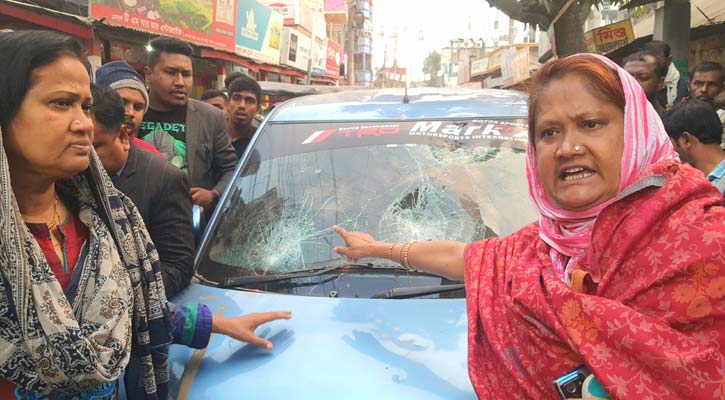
(120, 76)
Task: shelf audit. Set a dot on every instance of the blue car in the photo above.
(424, 165)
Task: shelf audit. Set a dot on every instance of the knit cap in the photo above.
(118, 75)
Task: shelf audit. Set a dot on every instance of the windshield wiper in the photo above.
(256, 279)
(417, 291)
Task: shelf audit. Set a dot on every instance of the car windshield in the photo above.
(460, 180)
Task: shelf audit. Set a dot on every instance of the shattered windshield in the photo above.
(399, 181)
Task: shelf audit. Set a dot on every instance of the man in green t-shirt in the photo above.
(191, 134)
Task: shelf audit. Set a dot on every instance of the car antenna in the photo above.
(406, 100)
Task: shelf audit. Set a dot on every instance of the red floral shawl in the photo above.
(650, 323)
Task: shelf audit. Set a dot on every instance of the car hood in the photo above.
(331, 348)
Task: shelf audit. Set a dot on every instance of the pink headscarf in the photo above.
(645, 143)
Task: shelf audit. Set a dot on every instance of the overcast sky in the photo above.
(435, 21)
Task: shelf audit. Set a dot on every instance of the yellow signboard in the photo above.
(611, 37)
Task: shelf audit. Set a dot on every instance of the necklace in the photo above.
(56, 216)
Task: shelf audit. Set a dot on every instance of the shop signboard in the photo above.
(613, 36)
(295, 50)
(259, 32)
(319, 56)
(294, 12)
(202, 22)
(333, 58)
(319, 26)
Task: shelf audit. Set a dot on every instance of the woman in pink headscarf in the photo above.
(623, 274)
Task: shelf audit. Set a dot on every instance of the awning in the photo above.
(702, 12)
(221, 55)
(283, 71)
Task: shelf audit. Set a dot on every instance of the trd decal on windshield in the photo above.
(359, 131)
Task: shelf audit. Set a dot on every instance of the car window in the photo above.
(415, 180)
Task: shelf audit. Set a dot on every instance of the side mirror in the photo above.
(199, 221)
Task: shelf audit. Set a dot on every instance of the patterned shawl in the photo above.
(56, 343)
(649, 320)
(645, 143)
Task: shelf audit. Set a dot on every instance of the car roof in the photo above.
(389, 105)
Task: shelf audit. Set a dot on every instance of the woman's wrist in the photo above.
(218, 324)
(380, 249)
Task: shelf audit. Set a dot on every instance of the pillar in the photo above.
(672, 25)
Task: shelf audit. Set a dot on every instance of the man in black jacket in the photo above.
(159, 190)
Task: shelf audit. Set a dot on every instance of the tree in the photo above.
(432, 65)
(568, 28)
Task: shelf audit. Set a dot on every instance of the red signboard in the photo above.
(203, 22)
(334, 57)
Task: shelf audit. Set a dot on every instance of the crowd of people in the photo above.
(622, 276)
(692, 110)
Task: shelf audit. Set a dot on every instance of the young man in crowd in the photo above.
(132, 89)
(695, 130)
(159, 190)
(650, 72)
(191, 133)
(216, 98)
(245, 97)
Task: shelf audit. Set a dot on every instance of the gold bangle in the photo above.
(390, 251)
(400, 253)
(406, 264)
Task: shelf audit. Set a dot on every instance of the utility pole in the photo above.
(351, 42)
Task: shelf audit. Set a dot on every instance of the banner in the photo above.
(296, 47)
(613, 36)
(259, 32)
(203, 22)
(333, 59)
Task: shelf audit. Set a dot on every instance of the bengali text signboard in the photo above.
(203, 22)
(613, 36)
